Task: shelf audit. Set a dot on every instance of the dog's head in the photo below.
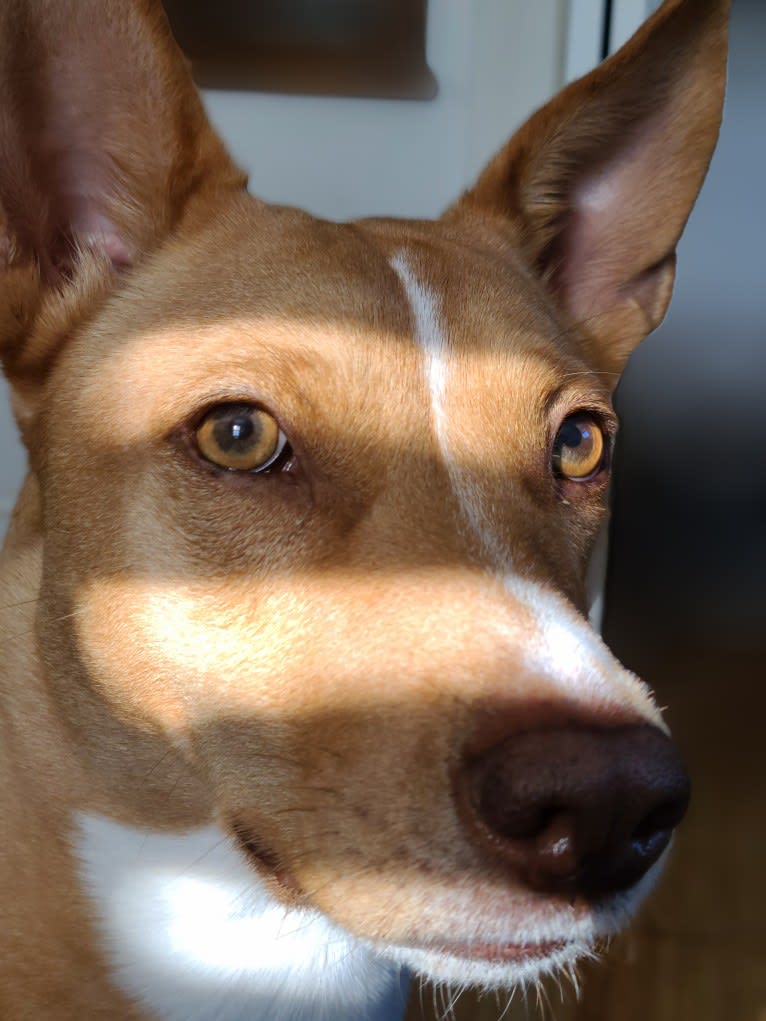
(316, 501)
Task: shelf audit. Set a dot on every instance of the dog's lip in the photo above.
(497, 952)
(500, 952)
(269, 865)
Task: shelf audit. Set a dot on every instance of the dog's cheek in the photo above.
(215, 667)
(282, 713)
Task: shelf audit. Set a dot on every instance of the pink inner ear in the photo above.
(76, 170)
(94, 127)
(608, 241)
(103, 139)
(624, 219)
(94, 230)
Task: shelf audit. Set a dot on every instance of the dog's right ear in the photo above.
(104, 145)
(597, 186)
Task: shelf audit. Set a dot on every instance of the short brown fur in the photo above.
(180, 646)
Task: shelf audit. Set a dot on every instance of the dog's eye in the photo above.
(579, 450)
(240, 437)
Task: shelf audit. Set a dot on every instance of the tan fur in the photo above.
(301, 659)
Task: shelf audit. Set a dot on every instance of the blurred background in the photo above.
(690, 498)
(359, 107)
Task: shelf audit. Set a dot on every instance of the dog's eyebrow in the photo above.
(581, 388)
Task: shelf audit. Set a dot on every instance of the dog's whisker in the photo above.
(435, 993)
(180, 777)
(557, 977)
(298, 810)
(22, 602)
(5, 639)
(574, 980)
(358, 873)
(205, 854)
(454, 1000)
(447, 1000)
(274, 757)
(33, 630)
(586, 374)
(545, 997)
(440, 999)
(157, 764)
(509, 1004)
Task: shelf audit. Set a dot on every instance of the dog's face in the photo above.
(319, 499)
(326, 640)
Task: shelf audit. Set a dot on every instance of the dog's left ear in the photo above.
(104, 150)
(103, 138)
(596, 188)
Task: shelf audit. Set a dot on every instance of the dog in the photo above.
(298, 684)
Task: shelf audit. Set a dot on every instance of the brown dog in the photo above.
(297, 685)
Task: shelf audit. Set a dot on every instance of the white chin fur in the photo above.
(192, 935)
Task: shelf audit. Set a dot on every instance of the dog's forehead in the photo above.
(265, 263)
(313, 310)
(477, 286)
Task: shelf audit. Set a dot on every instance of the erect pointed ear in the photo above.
(103, 144)
(597, 186)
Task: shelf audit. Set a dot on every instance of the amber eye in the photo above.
(579, 451)
(240, 437)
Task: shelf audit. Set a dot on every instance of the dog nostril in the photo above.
(652, 835)
(579, 810)
(546, 818)
(555, 860)
(663, 818)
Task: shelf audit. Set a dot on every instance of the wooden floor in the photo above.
(698, 950)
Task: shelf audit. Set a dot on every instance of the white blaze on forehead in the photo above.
(563, 647)
(430, 336)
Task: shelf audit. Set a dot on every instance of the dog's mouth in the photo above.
(270, 868)
(496, 961)
(490, 963)
(496, 953)
(501, 953)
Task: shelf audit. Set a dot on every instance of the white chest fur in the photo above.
(192, 936)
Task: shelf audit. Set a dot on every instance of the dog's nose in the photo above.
(579, 810)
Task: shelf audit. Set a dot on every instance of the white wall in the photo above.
(495, 61)
(627, 15)
(340, 158)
